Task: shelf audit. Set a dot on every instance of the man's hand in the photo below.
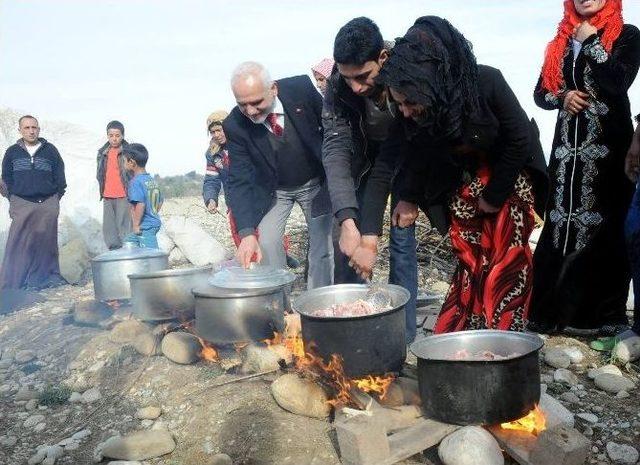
(632, 161)
(248, 246)
(486, 207)
(404, 215)
(583, 31)
(575, 101)
(349, 237)
(364, 256)
(212, 206)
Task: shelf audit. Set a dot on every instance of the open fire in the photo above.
(534, 422)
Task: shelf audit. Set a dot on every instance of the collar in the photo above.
(21, 143)
(278, 109)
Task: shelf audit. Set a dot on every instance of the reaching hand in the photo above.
(248, 246)
(349, 237)
(364, 256)
(404, 215)
(575, 101)
(212, 206)
(583, 31)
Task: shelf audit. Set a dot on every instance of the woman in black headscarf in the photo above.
(471, 150)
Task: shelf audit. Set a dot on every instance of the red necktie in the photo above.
(275, 127)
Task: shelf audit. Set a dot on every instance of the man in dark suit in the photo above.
(274, 139)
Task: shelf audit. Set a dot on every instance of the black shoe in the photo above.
(292, 262)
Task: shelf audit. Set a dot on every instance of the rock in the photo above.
(33, 420)
(147, 344)
(176, 257)
(8, 441)
(39, 427)
(220, 459)
(24, 356)
(622, 453)
(181, 347)
(259, 359)
(611, 369)
(91, 395)
(164, 241)
(622, 395)
(148, 413)
(37, 458)
(198, 246)
(300, 396)
(26, 394)
(627, 350)
(613, 383)
(74, 260)
(471, 445)
(75, 397)
(91, 312)
(80, 435)
(140, 445)
(570, 397)
(588, 417)
(557, 358)
(403, 391)
(574, 353)
(555, 412)
(127, 331)
(124, 462)
(562, 375)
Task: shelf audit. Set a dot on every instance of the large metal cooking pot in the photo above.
(242, 305)
(369, 345)
(111, 269)
(166, 294)
(225, 316)
(466, 392)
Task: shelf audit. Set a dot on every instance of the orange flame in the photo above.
(208, 352)
(377, 384)
(534, 422)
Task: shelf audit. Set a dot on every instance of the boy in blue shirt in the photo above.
(144, 196)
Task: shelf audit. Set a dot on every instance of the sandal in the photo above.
(603, 344)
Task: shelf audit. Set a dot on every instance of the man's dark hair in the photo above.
(137, 153)
(116, 125)
(22, 118)
(357, 42)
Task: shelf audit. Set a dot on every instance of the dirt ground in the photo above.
(242, 419)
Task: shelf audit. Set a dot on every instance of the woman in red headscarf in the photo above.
(581, 273)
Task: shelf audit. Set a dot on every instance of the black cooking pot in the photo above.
(468, 392)
(369, 345)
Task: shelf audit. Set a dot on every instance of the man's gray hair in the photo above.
(251, 69)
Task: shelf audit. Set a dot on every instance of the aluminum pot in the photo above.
(467, 392)
(369, 345)
(111, 269)
(225, 316)
(166, 294)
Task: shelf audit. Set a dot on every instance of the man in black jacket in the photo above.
(274, 138)
(33, 173)
(357, 118)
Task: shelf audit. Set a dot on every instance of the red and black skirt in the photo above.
(491, 287)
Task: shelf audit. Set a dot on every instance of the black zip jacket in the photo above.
(33, 180)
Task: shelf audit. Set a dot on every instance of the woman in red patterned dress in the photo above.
(472, 154)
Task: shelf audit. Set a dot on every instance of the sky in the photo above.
(161, 66)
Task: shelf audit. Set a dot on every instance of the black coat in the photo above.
(581, 271)
(499, 131)
(253, 177)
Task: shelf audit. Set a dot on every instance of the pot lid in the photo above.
(256, 277)
(129, 251)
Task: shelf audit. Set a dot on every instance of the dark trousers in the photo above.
(632, 233)
(116, 221)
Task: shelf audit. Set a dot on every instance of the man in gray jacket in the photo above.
(113, 180)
